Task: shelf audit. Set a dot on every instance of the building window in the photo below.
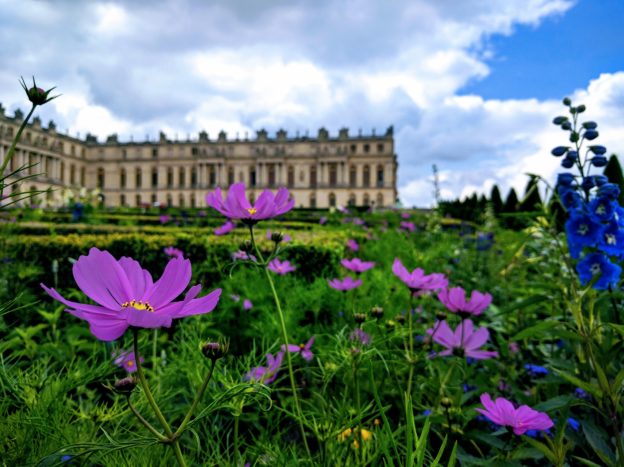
(230, 175)
(312, 200)
(352, 176)
(154, 177)
(380, 176)
(252, 176)
(366, 176)
(169, 177)
(62, 177)
(181, 177)
(100, 178)
(212, 175)
(291, 176)
(353, 148)
(313, 176)
(380, 200)
(271, 174)
(352, 200)
(155, 152)
(83, 175)
(138, 177)
(122, 200)
(122, 178)
(194, 177)
(169, 200)
(181, 200)
(137, 200)
(366, 200)
(366, 147)
(301, 176)
(154, 199)
(124, 153)
(380, 147)
(332, 200)
(333, 174)
(192, 200)
(72, 174)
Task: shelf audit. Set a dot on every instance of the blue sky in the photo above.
(561, 54)
(469, 85)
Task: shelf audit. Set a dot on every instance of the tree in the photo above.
(613, 171)
(496, 200)
(532, 200)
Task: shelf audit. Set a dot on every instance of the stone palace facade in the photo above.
(321, 171)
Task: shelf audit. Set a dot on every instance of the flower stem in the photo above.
(198, 397)
(150, 398)
(280, 313)
(411, 357)
(145, 422)
(11, 151)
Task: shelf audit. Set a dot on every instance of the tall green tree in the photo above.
(613, 171)
(532, 200)
(496, 200)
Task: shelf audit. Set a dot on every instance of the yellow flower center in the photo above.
(130, 363)
(138, 305)
(252, 211)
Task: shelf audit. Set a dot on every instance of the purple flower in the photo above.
(323, 220)
(353, 245)
(225, 228)
(302, 349)
(357, 265)
(236, 205)
(361, 336)
(266, 374)
(127, 361)
(281, 267)
(347, 283)
(235, 298)
(408, 226)
(416, 280)
(243, 255)
(405, 215)
(247, 305)
(127, 296)
(522, 419)
(454, 299)
(165, 218)
(173, 252)
(464, 341)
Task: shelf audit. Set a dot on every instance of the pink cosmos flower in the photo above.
(347, 283)
(165, 218)
(243, 255)
(225, 228)
(454, 299)
(408, 226)
(405, 215)
(236, 205)
(522, 419)
(416, 280)
(266, 374)
(302, 349)
(127, 296)
(127, 361)
(247, 305)
(281, 267)
(353, 245)
(357, 265)
(464, 341)
(173, 252)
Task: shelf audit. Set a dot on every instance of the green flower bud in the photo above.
(125, 385)
(567, 101)
(215, 350)
(35, 94)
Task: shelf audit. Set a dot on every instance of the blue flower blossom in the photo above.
(582, 230)
(536, 370)
(597, 264)
(574, 424)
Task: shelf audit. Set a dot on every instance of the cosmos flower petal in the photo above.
(102, 279)
(174, 280)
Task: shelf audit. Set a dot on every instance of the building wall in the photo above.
(320, 171)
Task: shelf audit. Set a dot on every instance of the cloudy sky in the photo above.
(469, 85)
